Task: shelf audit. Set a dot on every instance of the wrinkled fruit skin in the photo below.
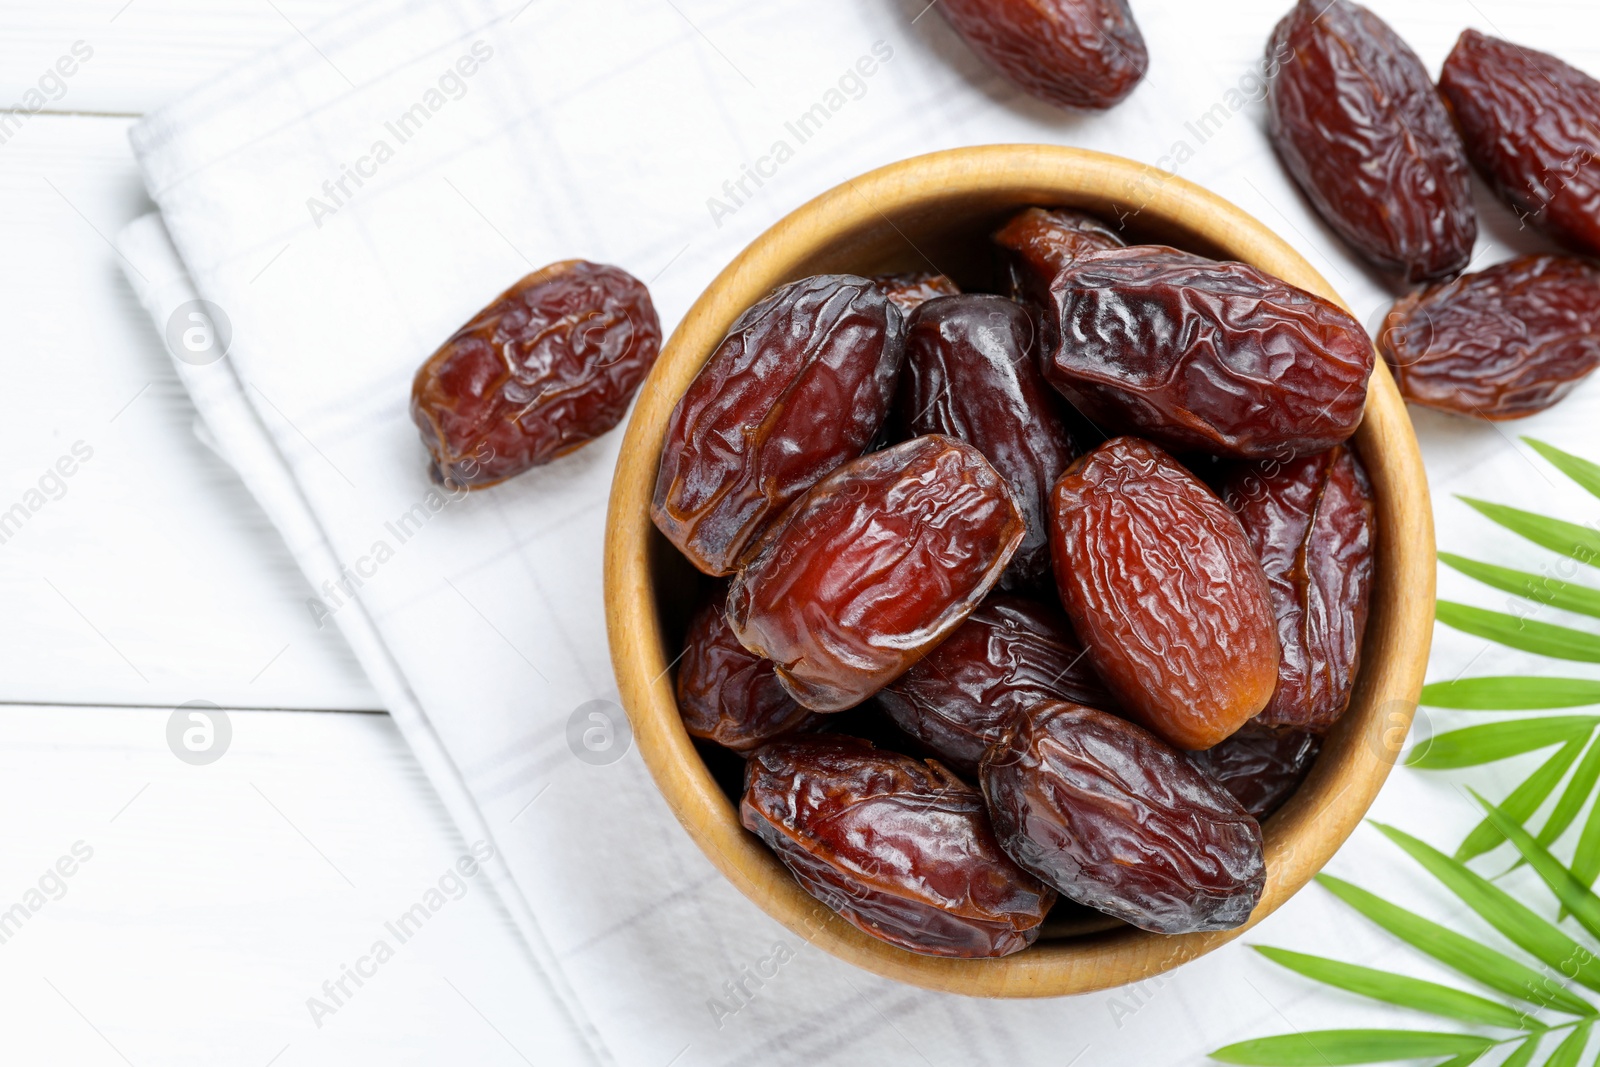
(727, 695)
(1165, 592)
(1071, 53)
(971, 373)
(873, 567)
(1502, 343)
(900, 848)
(546, 368)
(1356, 120)
(1009, 655)
(1531, 125)
(1114, 818)
(911, 290)
(1036, 243)
(801, 384)
(1199, 354)
(1260, 766)
(1312, 524)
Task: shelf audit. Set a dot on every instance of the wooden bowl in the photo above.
(939, 209)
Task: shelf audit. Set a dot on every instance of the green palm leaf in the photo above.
(1586, 857)
(1490, 968)
(1511, 693)
(1546, 590)
(1543, 638)
(1350, 1046)
(1578, 790)
(1524, 1054)
(1431, 997)
(1524, 800)
(1567, 538)
(1580, 470)
(1567, 1053)
(1473, 745)
(1575, 897)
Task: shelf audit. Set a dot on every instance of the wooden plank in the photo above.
(148, 575)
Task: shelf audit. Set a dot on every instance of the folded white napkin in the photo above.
(349, 199)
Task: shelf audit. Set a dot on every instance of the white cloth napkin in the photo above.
(351, 197)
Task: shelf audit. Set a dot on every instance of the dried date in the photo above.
(873, 567)
(1213, 356)
(900, 848)
(1112, 817)
(911, 290)
(546, 368)
(1071, 53)
(971, 373)
(1358, 124)
(1165, 592)
(1503, 343)
(1312, 524)
(1532, 128)
(1037, 243)
(727, 695)
(1009, 655)
(801, 384)
(1260, 766)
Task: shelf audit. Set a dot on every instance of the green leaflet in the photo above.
(1492, 969)
(1540, 587)
(1578, 790)
(1586, 857)
(1567, 1053)
(1576, 897)
(1511, 693)
(1406, 992)
(1524, 1054)
(1320, 1047)
(1580, 470)
(1543, 638)
(1485, 743)
(1534, 935)
(1567, 538)
(1524, 800)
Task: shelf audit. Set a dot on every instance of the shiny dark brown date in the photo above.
(1036, 243)
(1071, 53)
(874, 566)
(971, 373)
(1112, 817)
(1312, 524)
(546, 368)
(900, 848)
(1356, 120)
(728, 695)
(1009, 655)
(1503, 343)
(1206, 355)
(801, 384)
(1261, 766)
(911, 290)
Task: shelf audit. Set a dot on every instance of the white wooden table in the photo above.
(214, 900)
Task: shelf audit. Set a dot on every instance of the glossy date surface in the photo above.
(971, 373)
(1312, 524)
(546, 368)
(1260, 766)
(900, 848)
(912, 289)
(1036, 243)
(728, 695)
(1165, 593)
(1355, 118)
(1206, 355)
(874, 566)
(1112, 817)
(800, 384)
(1532, 128)
(1502, 343)
(1009, 655)
(1071, 53)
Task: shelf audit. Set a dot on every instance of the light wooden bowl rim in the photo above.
(1357, 756)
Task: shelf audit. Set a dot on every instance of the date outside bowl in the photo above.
(939, 209)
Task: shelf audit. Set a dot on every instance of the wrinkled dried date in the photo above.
(1356, 120)
(1009, 655)
(873, 567)
(971, 373)
(1311, 523)
(900, 848)
(1502, 343)
(1532, 128)
(1071, 53)
(800, 384)
(1165, 593)
(1036, 243)
(1201, 354)
(727, 695)
(546, 368)
(911, 290)
(1114, 818)
(1260, 766)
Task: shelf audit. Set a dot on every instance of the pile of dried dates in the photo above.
(1019, 597)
